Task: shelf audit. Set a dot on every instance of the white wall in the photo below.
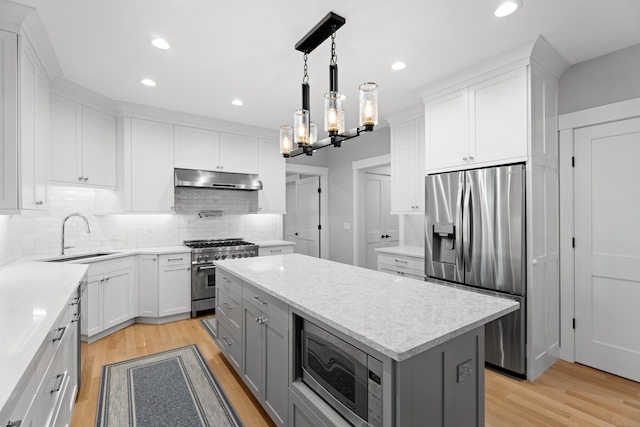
(40, 232)
(603, 80)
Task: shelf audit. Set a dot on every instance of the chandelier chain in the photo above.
(334, 57)
(305, 79)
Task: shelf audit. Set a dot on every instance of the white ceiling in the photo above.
(245, 48)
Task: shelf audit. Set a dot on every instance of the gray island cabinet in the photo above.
(428, 337)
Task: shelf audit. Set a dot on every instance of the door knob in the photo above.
(295, 234)
(382, 237)
(386, 236)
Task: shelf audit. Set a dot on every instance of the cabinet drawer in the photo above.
(275, 250)
(268, 304)
(175, 259)
(229, 343)
(51, 391)
(228, 305)
(399, 261)
(52, 342)
(228, 281)
(404, 272)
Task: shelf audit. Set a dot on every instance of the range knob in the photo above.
(234, 255)
(217, 257)
(206, 256)
(224, 256)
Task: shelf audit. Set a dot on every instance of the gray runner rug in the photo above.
(173, 388)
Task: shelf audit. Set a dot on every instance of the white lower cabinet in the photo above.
(275, 250)
(112, 295)
(164, 284)
(46, 394)
(401, 265)
(174, 284)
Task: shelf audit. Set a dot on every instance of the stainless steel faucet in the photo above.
(86, 221)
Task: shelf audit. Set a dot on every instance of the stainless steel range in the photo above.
(203, 272)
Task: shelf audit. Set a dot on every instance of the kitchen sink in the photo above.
(78, 257)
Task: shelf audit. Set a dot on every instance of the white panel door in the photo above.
(607, 269)
(291, 217)
(381, 227)
(308, 216)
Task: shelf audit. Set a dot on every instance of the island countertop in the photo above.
(397, 316)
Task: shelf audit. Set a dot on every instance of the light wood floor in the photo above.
(566, 395)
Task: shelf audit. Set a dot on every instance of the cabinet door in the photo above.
(252, 354)
(151, 166)
(498, 118)
(406, 169)
(276, 362)
(93, 305)
(197, 148)
(33, 141)
(238, 153)
(98, 148)
(272, 197)
(118, 288)
(148, 285)
(447, 131)
(174, 289)
(65, 156)
(8, 118)
(84, 304)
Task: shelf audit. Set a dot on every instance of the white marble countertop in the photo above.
(270, 243)
(32, 296)
(398, 316)
(112, 254)
(412, 251)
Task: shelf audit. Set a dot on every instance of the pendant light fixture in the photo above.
(304, 131)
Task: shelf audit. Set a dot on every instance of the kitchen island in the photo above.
(428, 336)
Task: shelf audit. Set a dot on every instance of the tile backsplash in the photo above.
(40, 232)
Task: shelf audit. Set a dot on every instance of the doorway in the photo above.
(607, 252)
(381, 228)
(306, 221)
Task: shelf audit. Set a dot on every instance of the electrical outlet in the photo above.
(347, 226)
(464, 370)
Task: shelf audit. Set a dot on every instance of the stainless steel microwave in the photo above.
(347, 378)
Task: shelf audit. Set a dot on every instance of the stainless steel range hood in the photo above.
(216, 180)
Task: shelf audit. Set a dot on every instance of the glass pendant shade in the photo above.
(286, 138)
(301, 127)
(341, 126)
(332, 109)
(313, 133)
(368, 104)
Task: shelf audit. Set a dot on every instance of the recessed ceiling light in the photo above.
(148, 82)
(160, 44)
(507, 8)
(237, 102)
(397, 66)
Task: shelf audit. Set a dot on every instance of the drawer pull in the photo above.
(61, 331)
(260, 300)
(227, 305)
(14, 423)
(401, 273)
(401, 261)
(75, 301)
(60, 380)
(261, 320)
(76, 317)
(175, 259)
(226, 341)
(274, 251)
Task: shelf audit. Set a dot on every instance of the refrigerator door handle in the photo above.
(458, 224)
(466, 225)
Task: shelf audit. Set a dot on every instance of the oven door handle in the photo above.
(208, 267)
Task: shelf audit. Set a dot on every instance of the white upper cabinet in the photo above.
(150, 167)
(215, 151)
(480, 125)
(83, 144)
(8, 120)
(197, 148)
(238, 153)
(34, 115)
(272, 173)
(407, 166)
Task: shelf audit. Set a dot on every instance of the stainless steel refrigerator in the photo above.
(475, 238)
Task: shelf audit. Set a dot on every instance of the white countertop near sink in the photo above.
(413, 251)
(271, 243)
(32, 296)
(398, 316)
(117, 253)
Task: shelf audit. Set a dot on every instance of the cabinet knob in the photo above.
(470, 157)
(39, 202)
(464, 158)
(79, 178)
(86, 178)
